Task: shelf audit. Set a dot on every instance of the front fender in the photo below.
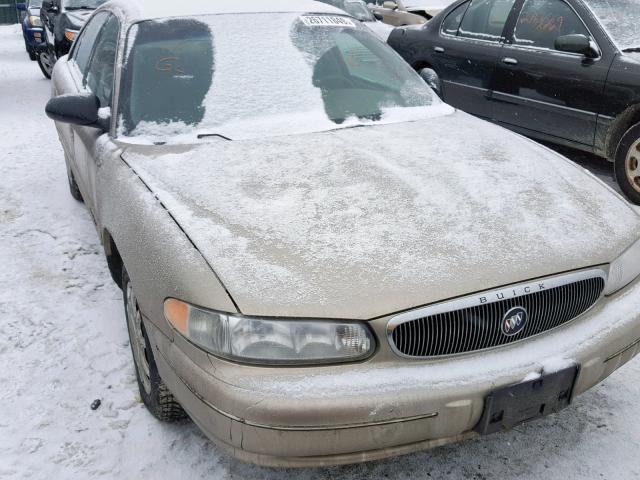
(159, 257)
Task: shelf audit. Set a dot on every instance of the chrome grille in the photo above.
(475, 323)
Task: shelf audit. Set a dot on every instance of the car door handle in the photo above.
(510, 61)
(438, 49)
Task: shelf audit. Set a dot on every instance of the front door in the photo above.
(467, 52)
(75, 81)
(543, 92)
(99, 80)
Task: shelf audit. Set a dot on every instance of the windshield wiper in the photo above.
(631, 50)
(205, 135)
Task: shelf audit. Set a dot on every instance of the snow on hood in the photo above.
(364, 222)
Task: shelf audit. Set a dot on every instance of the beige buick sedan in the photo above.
(395, 13)
(321, 262)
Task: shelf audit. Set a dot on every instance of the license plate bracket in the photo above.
(510, 406)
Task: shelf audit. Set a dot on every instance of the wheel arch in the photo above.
(114, 260)
(620, 126)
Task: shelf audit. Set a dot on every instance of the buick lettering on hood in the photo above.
(321, 262)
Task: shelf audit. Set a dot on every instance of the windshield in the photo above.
(262, 75)
(356, 8)
(35, 3)
(78, 4)
(621, 18)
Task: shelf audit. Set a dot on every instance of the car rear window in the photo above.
(485, 19)
(452, 23)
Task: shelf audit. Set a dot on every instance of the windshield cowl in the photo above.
(269, 127)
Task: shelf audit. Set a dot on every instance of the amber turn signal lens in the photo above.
(70, 35)
(177, 313)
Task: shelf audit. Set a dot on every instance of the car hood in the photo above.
(631, 58)
(360, 223)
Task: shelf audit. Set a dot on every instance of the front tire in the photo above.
(627, 164)
(155, 394)
(73, 187)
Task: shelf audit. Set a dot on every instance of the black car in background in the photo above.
(562, 71)
(62, 20)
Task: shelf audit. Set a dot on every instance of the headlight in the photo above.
(268, 341)
(71, 34)
(624, 270)
(35, 21)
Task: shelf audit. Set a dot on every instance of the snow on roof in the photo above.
(149, 9)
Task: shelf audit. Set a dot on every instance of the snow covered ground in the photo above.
(63, 344)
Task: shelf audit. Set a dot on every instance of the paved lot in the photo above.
(63, 344)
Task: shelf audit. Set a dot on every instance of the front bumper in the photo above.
(387, 406)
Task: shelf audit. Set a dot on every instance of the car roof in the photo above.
(154, 9)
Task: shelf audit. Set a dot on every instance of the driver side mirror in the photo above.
(391, 5)
(77, 109)
(21, 7)
(580, 44)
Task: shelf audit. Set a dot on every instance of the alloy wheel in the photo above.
(138, 341)
(632, 165)
(47, 62)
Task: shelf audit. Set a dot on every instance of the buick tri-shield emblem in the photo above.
(514, 321)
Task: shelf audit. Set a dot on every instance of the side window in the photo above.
(542, 21)
(84, 44)
(485, 19)
(451, 24)
(99, 76)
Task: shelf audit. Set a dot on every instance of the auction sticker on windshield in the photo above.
(326, 21)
